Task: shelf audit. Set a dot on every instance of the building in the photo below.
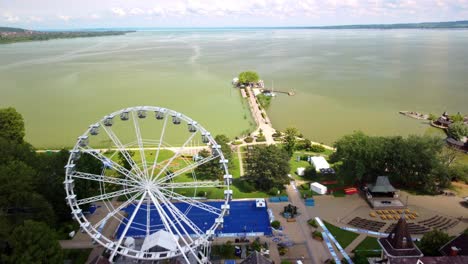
(456, 247)
(398, 248)
(382, 194)
(399, 244)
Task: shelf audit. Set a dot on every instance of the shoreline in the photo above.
(263, 122)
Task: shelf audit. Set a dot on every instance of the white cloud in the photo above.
(118, 11)
(136, 11)
(10, 18)
(63, 17)
(95, 16)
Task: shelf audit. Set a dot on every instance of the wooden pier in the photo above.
(290, 92)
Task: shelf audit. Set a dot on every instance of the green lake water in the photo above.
(344, 80)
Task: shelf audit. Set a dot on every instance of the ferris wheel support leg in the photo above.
(129, 223)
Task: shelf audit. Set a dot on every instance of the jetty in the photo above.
(290, 92)
(415, 115)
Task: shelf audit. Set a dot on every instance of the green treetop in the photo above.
(248, 77)
(458, 130)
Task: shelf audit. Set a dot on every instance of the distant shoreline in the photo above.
(463, 24)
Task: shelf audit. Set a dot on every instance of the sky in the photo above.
(75, 14)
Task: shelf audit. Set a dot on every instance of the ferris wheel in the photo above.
(144, 188)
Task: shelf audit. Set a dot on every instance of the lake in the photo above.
(344, 80)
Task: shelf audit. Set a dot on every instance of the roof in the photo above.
(432, 260)
(256, 258)
(399, 242)
(319, 163)
(453, 141)
(382, 185)
(162, 239)
(461, 242)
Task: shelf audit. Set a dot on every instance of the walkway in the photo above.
(317, 251)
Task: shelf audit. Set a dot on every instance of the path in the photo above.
(317, 251)
(355, 243)
(263, 123)
(241, 164)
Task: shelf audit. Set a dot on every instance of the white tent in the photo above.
(318, 188)
(319, 163)
(162, 239)
(300, 171)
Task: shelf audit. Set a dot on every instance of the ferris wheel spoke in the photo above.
(106, 196)
(112, 164)
(177, 154)
(163, 131)
(178, 215)
(127, 226)
(169, 225)
(195, 184)
(121, 148)
(186, 169)
(118, 209)
(103, 178)
(140, 144)
(191, 201)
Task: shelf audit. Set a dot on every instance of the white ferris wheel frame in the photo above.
(141, 182)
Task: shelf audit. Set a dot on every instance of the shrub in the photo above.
(248, 139)
(317, 235)
(273, 191)
(261, 138)
(282, 250)
(313, 223)
(276, 134)
(263, 115)
(275, 224)
(317, 148)
(237, 142)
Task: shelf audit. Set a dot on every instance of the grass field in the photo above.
(369, 243)
(342, 236)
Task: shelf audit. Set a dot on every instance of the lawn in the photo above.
(342, 236)
(369, 243)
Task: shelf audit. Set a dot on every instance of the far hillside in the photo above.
(11, 29)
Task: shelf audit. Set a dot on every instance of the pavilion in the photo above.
(382, 194)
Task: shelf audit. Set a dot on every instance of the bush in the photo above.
(275, 224)
(458, 130)
(273, 191)
(313, 223)
(317, 148)
(282, 250)
(276, 134)
(317, 235)
(263, 115)
(237, 142)
(261, 138)
(244, 186)
(201, 194)
(248, 139)
(310, 171)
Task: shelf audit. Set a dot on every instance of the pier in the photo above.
(290, 92)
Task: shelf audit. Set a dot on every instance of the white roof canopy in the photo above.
(162, 239)
(319, 163)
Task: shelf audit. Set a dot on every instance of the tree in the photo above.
(34, 242)
(11, 125)
(456, 118)
(210, 170)
(310, 172)
(248, 77)
(458, 130)
(432, 117)
(290, 140)
(414, 162)
(223, 141)
(432, 241)
(123, 161)
(268, 167)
